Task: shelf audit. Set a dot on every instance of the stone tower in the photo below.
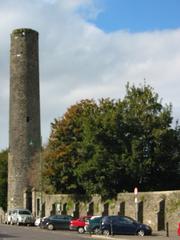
(24, 116)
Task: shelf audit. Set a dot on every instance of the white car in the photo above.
(7, 219)
(21, 216)
(38, 221)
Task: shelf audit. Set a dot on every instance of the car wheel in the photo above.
(50, 227)
(97, 231)
(106, 232)
(80, 230)
(141, 233)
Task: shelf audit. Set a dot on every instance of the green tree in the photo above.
(110, 146)
(151, 143)
(3, 178)
(102, 147)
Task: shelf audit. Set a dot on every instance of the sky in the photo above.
(91, 49)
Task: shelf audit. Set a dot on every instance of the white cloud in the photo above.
(78, 60)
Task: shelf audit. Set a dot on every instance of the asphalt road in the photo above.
(8, 232)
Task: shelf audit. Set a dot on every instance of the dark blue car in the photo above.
(56, 222)
(123, 225)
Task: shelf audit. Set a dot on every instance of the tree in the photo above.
(3, 178)
(63, 153)
(102, 147)
(110, 146)
(151, 143)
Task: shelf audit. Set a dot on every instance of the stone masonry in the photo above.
(154, 208)
(24, 116)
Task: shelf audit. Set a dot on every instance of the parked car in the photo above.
(7, 218)
(94, 224)
(78, 224)
(178, 230)
(21, 216)
(56, 222)
(38, 221)
(123, 225)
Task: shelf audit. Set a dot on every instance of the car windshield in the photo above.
(130, 219)
(24, 212)
(125, 220)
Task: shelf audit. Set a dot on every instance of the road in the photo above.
(8, 232)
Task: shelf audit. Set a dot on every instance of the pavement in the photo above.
(155, 236)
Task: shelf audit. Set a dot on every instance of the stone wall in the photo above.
(154, 208)
(2, 214)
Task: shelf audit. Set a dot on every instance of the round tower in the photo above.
(24, 116)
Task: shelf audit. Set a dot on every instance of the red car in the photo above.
(178, 231)
(78, 224)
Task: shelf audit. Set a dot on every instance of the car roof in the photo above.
(118, 216)
(59, 215)
(21, 209)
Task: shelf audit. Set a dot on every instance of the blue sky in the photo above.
(138, 15)
(91, 49)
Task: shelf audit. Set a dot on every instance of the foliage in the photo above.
(111, 146)
(64, 151)
(3, 178)
(152, 148)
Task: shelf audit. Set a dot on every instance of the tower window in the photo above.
(27, 119)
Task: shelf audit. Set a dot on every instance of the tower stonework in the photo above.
(24, 116)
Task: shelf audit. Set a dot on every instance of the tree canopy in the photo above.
(111, 146)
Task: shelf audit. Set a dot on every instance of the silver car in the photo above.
(22, 216)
